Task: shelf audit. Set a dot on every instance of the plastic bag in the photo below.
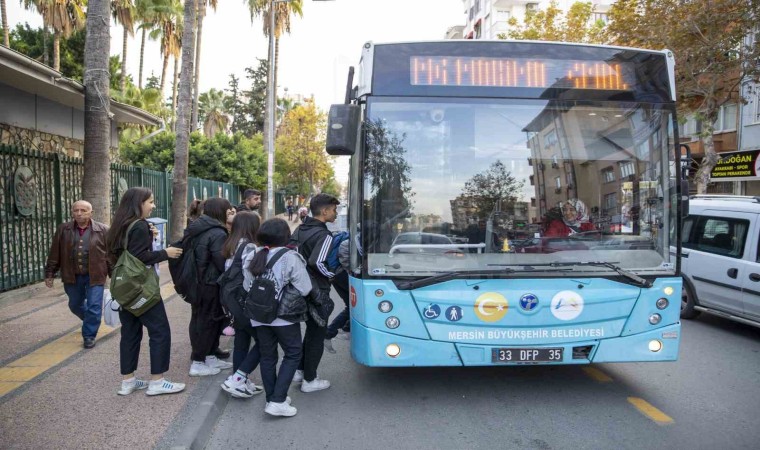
(110, 310)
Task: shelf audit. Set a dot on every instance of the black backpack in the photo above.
(184, 272)
(231, 292)
(262, 302)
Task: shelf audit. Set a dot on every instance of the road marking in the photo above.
(26, 368)
(597, 375)
(650, 411)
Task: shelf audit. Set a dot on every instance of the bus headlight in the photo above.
(662, 303)
(655, 318)
(655, 346)
(392, 322)
(668, 290)
(385, 306)
(392, 350)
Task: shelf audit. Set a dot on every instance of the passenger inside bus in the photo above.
(572, 219)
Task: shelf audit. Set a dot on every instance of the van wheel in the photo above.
(687, 302)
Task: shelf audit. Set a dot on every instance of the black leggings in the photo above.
(206, 323)
(159, 339)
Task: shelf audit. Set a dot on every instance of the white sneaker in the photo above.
(236, 387)
(280, 409)
(253, 388)
(344, 335)
(127, 387)
(316, 384)
(298, 377)
(329, 347)
(163, 386)
(213, 361)
(199, 369)
(287, 400)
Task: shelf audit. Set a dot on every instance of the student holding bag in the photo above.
(129, 226)
(239, 250)
(288, 269)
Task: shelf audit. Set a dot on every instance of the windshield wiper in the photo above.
(626, 273)
(446, 276)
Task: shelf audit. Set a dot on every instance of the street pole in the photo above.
(270, 114)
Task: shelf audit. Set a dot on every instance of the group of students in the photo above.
(298, 267)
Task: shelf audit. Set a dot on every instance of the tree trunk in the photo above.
(45, 58)
(142, 59)
(4, 12)
(276, 61)
(196, 82)
(709, 161)
(123, 83)
(57, 51)
(163, 77)
(97, 104)
(184, 109)
(174, 94)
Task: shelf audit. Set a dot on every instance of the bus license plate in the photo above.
(518, 355)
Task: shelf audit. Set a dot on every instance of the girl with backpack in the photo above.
(136, 205)
(293, 284)
(238, 248)
(206, 236)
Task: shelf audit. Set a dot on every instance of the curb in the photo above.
(197, 430)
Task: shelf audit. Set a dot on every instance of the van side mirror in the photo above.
(684, 198)
(343, 129)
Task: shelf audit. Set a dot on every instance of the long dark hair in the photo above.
(216, 208)
(245, 225)
(129, 210)
(273, 233)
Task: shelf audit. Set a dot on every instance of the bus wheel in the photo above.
(688, 302)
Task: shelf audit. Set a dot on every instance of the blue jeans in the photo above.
(86, 302)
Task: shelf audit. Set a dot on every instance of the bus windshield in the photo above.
(469, 184)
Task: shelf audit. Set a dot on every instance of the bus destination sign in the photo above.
(518, 72)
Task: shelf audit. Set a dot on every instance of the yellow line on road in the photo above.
(22, 370)
(597, 375)
(650, 411)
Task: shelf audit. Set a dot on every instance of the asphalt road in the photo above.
(709, 399)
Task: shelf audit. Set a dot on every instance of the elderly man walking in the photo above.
(79, 252)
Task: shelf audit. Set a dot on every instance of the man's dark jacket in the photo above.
(61, 256)
(314, 242)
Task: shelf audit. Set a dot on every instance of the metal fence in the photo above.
(37, 190)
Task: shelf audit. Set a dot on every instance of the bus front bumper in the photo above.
(374, 348)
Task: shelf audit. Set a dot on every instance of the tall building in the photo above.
(486, 19)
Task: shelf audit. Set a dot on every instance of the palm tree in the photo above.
(4, 14)
(124, 13)
(169, 31)
(212, 109)
(97, 103)
(184, 109)
(283, 11)
(63, 16)
(196, 80)
(145, 11)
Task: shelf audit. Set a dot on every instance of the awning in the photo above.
(25, 74)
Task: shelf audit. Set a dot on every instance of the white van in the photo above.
(721, 258)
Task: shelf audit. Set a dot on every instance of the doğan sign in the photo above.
(737, 166)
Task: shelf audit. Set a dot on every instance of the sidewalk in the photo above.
(56, 394)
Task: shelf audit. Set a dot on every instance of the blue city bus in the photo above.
(512, 203)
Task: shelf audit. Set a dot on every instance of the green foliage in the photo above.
(232, 159)
(301, 160)
(552, 24)
(247, 106)
(212, 112)
(29, 41)
(492, 186)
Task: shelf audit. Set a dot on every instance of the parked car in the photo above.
(721, 258)
(423, 243)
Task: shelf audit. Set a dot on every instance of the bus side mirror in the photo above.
(343, 129)
(684, 198)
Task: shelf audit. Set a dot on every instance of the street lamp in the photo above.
(272, 104)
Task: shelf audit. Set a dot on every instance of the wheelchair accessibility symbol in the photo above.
(432, 311)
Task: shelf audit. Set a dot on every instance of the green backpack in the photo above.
(133, 285)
